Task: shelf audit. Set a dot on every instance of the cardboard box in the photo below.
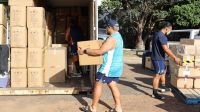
(180, 71)
(55, 64)
(58, 45)
(197, 61)
(18, 36)
(36, 38)
(186, 49)
(148, 63)
(188, 60)
(197, 83)
(3, 15)
(22, 2)
(48, 38)
(18, 78)
(2, 35)
(90, 60)
(186, 83)
(35, 57)
(195, 42)
(36, 17)
(18, 16)
(18, 57)
(35, 77)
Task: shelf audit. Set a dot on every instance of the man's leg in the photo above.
(156, 81)
(96, 95)
(116, 95)
(164, 88)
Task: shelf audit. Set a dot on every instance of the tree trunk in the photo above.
(139, 41)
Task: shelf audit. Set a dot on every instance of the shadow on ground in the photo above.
(170, 104)
(83, 102)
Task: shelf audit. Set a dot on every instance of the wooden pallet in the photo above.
(189, 96)
(71, 86)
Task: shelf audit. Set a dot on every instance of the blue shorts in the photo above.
(103, 79)
(74, 49)
(159, 67)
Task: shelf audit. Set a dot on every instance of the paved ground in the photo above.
(135, 88)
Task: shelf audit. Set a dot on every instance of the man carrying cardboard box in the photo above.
(111, 69)
(159, 48)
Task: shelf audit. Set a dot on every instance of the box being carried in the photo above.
(182, 82)
(90, 60)
(195, 42)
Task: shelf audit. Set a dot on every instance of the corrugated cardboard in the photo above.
(197, 61)
(182, 82)
(180, 71)
(35, 77)
(148, 63)
(18, 36)
(3, 15)
(2, 35)
(36, 38)
(58, 45)
(36, 17)
(48, 39)
(55, 64)
(18, 16)
(197, 83)
(22, 2)
(18, 57)
(188, 60)
(186, 49)
(195, 42)
(90, 60)
(18, 78)
(35, 57)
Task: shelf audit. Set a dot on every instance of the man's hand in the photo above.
(80, 51)
(178, 61)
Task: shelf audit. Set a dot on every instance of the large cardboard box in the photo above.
(182, 82)
(180, 71)
(18, 16)
(36, 38)
(3, 15)
(186, 49)
(35, 57)
(35, 77)
(90, 60)
(36, 17)
(197, 61)
(2, 35)
(18, 37)
(18, 78)
(148, 63)
(22, 2)
(187, 60)
(197, 83)
(55, 64)
(18, 57)
(195, 42)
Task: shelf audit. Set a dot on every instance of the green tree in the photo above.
(140, 15)
(186, 15)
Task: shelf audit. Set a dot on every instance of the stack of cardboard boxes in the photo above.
(187, 75)
(3, 24)
(27, 43)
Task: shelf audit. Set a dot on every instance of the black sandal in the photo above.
(86, 109)
(112, 110)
